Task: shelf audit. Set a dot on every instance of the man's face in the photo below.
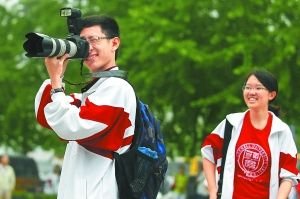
(102, 49)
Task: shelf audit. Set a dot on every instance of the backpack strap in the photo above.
(227, 138)
(123, 75)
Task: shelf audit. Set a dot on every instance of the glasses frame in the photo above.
(92, 40)
(255, 88)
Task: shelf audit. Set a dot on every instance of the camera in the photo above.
(41, 45)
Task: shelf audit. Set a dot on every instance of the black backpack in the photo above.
(140, 171)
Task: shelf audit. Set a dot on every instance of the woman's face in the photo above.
(256, 95)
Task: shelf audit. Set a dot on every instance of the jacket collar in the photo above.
(236, 119)
(89, 88)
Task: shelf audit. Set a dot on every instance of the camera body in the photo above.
(41, 45)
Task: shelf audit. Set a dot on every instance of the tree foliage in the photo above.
(186, 59)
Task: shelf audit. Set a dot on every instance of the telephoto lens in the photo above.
(40, 45)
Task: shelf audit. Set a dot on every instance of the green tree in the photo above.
(186, 59)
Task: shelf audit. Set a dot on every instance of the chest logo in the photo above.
(252, 159)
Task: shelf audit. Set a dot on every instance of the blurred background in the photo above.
(186, 59)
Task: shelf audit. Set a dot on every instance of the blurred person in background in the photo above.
(180, 184)
(192, 179)
(51, 184)
(202, 191)
(7, 178)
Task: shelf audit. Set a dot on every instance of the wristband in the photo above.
(56, 90)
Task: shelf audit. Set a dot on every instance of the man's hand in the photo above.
(56, 67)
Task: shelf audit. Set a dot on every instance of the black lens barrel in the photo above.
(40, 45)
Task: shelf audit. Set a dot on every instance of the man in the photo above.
(96, 122)
(7, 178)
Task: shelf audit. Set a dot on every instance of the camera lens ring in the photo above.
(62, 49)
(53, 47)
(73, 48)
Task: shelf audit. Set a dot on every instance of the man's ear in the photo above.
(115, 43)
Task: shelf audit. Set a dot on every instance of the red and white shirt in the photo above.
(282, 156)
(253, 161)
(100, 119)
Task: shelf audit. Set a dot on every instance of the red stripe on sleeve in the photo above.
(45, 99)
(289, 163)
(216, 143)
(117, 121)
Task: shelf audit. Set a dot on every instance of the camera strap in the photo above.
(111, 73)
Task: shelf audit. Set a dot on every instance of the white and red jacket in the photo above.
(98, 120)
(282, 147)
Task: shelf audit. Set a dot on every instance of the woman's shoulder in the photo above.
(235, 118)
(279, 125)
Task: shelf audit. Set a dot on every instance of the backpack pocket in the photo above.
(143, 169)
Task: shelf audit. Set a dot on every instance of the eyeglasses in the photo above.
(95, 39)
(256, 88)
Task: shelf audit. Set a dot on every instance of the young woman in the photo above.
(261, 157)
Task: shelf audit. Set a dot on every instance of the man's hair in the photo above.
(108, 25)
